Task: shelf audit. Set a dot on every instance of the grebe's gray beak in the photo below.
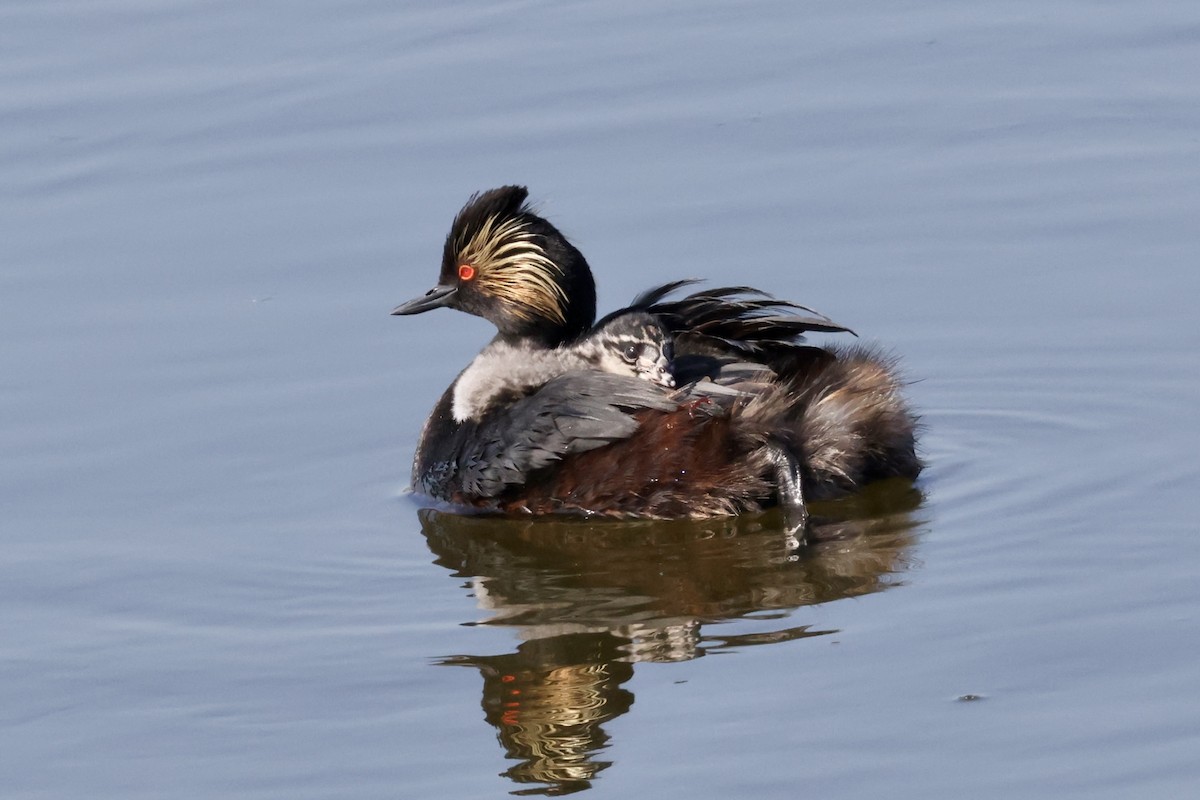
(440, 295)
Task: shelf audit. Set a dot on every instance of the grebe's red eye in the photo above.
(466, 272)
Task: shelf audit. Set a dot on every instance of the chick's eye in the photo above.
(631, 352)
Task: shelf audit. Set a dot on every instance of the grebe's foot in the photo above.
(791, 491)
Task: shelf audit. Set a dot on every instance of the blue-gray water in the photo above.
(212, 585)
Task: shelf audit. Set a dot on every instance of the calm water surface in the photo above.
(213, 584)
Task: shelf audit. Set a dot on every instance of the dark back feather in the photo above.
(730, 320)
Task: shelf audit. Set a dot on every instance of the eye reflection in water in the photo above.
(589, 600)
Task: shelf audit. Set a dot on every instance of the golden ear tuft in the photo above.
(509, 263)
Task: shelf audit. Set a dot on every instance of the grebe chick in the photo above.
(633, 343)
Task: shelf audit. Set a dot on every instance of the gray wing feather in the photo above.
(574, 413)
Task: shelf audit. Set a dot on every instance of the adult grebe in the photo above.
(757, 420)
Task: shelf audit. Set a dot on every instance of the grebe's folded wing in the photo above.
(573, 413)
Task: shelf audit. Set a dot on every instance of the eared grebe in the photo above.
(541, 424)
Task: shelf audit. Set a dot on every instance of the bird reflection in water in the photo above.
(590, 600)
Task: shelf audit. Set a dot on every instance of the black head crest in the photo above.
(504, 202)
